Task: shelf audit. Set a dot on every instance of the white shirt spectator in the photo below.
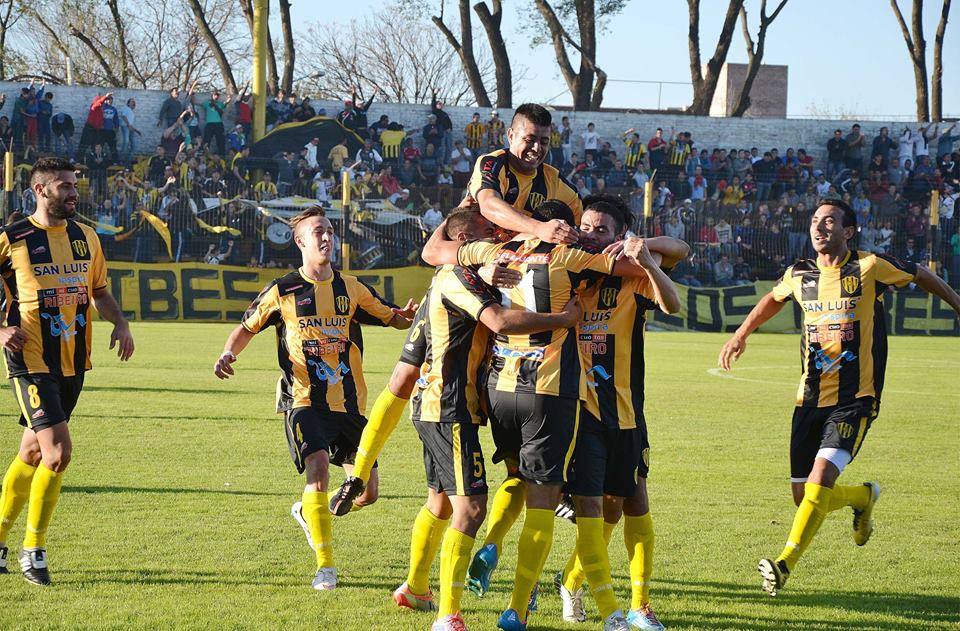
(823, 188)
(311, 154)
(323, 186)
(127, 116)
(461, 160)
(432, 218)
(947, 205)
(591, 140)
(905, 145)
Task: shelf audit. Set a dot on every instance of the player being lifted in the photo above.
(534, 381)
(52, 269)
(608, 472)
(508, 185)
(461, 311)
(316, 311)
(843, 360)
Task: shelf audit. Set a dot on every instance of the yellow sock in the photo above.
(856, 497)
(454, 559)
(638, 537)
(532, 550)
(424, 543)
(317, 515)
(573, 572)
(383, 420)
(16, 492)
(44, 493)
(506, 508)
(592, 551)
(806, 522)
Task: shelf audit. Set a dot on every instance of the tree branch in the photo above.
(289, 51)
(112, 78)
(208, 35)
(122, 41)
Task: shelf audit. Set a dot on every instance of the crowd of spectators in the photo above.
(745, 210)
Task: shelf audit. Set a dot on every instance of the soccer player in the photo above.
(610, 461)
(510, 184)
(316, 311)
(447, 412)
(843, 360)
(534, 379)
(52, 269)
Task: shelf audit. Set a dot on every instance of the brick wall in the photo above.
(708, 132)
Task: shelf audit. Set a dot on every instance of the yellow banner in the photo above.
(161, 228)
(219, 293)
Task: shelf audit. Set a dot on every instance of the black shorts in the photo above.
(45, 400)
(414, 351)
(838, 426)
(608, 460)
(453, 458)
(537, 431)
(309, 431)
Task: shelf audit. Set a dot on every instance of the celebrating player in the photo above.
(533, 382)
(608, 472)
(52, 268)
(844, 357)
(321, 392)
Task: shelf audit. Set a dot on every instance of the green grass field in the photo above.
(175, 508)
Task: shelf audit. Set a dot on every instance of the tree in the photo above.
(704, 85)
(464, 49)
(936, 88)
(289, 50)
(226, 70)
(586, 85)
(917, 48)
(754, 52)
(273, 81)
(9, 15)
(491, 21)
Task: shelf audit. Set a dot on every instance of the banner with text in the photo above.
(724, 309)
(217, 293)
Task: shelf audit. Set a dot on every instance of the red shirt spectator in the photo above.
(244, 113)
(95, 116)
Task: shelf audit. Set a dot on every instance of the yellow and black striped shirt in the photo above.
(456, 346)
(556, 140)
(547, 362)
(635, 152)
(495, 132)
(843, 347)
(610, 338)
(475, 133)
(319, 343)
(678, 153)
(523, 191)
(49, 276)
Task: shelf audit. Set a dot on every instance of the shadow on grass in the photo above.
(154, 576)
(914, 611)
(93, 490)
(160, 417)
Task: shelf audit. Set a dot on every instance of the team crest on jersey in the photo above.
(535, 199)
(342, 303)
(845, 430)
(850, 284)
(608, 297)
(79, 247)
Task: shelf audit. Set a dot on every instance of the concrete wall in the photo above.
(768, 97)
(708, 132)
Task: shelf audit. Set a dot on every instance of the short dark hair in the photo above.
(554, 209)
(849, 215)
(610, 205)
(461, 220)
(535, 113)
(313, 211)
(50, 166)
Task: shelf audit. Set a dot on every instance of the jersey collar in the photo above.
(838, 265)
(34, 223)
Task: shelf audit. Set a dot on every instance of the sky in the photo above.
(844, 56)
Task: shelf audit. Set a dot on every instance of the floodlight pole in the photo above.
(260, 13)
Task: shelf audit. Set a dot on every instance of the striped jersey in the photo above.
(634, 153)
(523, 191)
(475, 133)
(678, 153)
(843, 344)
(49, 276)
(546, 362)
(610, 338)
(456, 346)
(495, 132)
(319, 343)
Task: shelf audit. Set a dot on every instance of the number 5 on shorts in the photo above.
(477, 465)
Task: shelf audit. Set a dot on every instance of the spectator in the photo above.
(279, 110)
(461, 160)
(657, 149)
(391, 140)
(913, 252)
(215, 255)
(354, 116)
(883, 144)
(92, 132)
(111, 124)
(906, 145)
(430, 165)
(914, 226)
(243, 113)
(616, 177)
(62, 127)
(432, 132)
(869, 237)
(765, 173)
(388, 183)
(861, 206)
(367, 157)
(237, 139)
(401, 198)
(97, 162)
(742, 272)
(18, 122)
(171, 109)
(496, 131)
(128, 129)
(382, 124)
(945, 140)
(887, 234)
(836, 152)
(265, 189)
(674, 227)
(286, 173)
(853, 152)
(555, 157)
(445, 148)
(432, 218)
(591, 141)
(474, 133)
(409, 174)
(44, 113)
(213, 111)
(698, 186)
(566, 139)
(336, 157)
(723, 271)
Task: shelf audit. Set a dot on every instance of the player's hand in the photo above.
(615, 249)
(122, 337)
(12, 338)
(733, 349)
(467, 201)
(223, 369)
(636, 248)
(499, 276)
(557, 231)
(572, 313)
(409, 310)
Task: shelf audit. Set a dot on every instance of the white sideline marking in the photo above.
(718, 372)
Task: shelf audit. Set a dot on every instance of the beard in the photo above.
(61, 210)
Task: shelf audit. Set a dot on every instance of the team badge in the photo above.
(343, 304)
(79, 247)
(845, 430)
(850, 284)
(608, 296)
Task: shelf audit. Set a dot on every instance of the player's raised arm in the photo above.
(494, 208)
(439, 250)
(638, 254)
(933, 284)
(671, 250)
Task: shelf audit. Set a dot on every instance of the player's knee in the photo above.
(30, 455)
(636, 506)
(57, 457)
(403, 380)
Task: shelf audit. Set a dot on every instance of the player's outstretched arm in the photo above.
(500, 213)
(110, 311)
(403, 318)
(736, 345)
(933, 284)
(671, 250)
(236, 342)
(521, 322)
(439, 250)
(639, 255)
